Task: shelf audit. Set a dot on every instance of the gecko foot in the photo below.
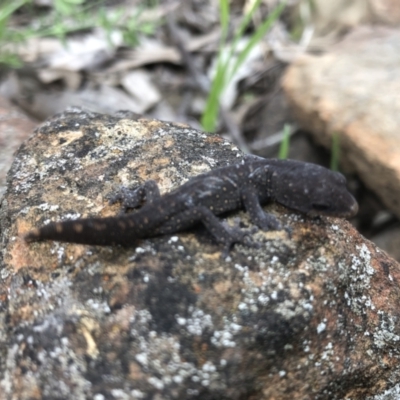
(134, 198)
(237, 235)
(129, 198)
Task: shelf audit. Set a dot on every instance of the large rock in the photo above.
(354, 91)
(311, 316)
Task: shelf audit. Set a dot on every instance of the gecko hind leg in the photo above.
(133, 198)
(224, 235)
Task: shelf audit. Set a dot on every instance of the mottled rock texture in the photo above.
(353, 90)
(311, 316)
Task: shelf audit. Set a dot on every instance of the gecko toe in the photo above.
(129, 198)
(238, 236)
(32, 236)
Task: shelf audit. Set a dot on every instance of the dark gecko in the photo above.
(308, 188)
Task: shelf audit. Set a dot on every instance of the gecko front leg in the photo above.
(265, 221)
(227, 236)
(133, 198)
(258, 216)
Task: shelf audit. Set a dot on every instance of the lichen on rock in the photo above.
(314, 315)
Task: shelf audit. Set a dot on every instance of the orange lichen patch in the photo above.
(24, 313)
(75, 251)
(163, 161)
(214, 139)
(23, 391)
(168, 143)
(256, 278)
(135, 372)
(294, 290)
(123, 316)
(22, 254)
(197, 288)
(316, 287)
(19, 254)
(68, 137)
(22, 226)
(132, 128)
(222, 287)
(120, 294)
(270, 235)
(153, 124)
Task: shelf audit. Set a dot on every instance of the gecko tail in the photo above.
(32, 236)
(92, 231)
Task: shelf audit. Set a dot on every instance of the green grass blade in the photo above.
(285, 144)
(210, 115)
(238, 35)
(224, 71)
(224, 20)
(10, 7)
(5, 13)
(211, 110)
(245, 22)
(257, 36)
(335, 156)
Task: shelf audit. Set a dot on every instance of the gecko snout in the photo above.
(353, 209)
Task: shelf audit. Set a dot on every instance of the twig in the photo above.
(201, 80)
(204, 84)
(271, 140)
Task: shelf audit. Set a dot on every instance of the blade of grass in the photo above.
(335, 152)
(224, 20)
(242, 27)
(245, 21)
(209, 117)
(285, 144)
(257, 36)
(6, 11)
(210, 114)
(10, 7)
(223, 71)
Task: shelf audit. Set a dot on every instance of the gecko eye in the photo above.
(320, 207)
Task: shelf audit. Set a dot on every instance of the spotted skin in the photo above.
(303, 187)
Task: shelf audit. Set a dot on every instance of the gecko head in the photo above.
(314, 190)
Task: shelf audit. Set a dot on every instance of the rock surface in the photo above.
(354, 90)
(311, 316)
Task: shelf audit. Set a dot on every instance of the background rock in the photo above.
(314, 315)
(354, 90)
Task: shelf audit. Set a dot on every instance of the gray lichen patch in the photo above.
(313, 314)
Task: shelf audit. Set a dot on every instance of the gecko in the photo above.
(304, 187)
